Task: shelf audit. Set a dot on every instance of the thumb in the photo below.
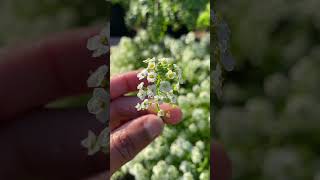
(128, 140)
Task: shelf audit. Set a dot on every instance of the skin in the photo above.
(132, 130)
(220, 163)
(40, 143)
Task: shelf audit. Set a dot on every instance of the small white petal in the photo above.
(103, 116)
(94, 43)
(140, 86)
(96, 78)
(141, 94)
(103, 138)
(152, 77)
(152, 90)
(165, 86)
(100, 51)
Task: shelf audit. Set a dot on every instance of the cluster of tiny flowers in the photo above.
(163, 84)
(98, 104)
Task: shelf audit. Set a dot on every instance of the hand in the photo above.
(132, 130)
(39, 143)
(220, 164)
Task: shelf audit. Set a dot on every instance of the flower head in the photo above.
(100, 43)
(161, 113)
(165, 86)
(152, 77)
(151, 65)
(164, 83)
(152, 90)
(98, 102)
(170, 74)
(98, 77)
(142, 74)
(140, 86)
(142, 94)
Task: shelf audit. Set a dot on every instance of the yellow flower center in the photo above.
(104, 40)
(152, 65)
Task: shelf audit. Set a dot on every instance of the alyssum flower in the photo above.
(98, 104)
(100, 43)
(164, 79)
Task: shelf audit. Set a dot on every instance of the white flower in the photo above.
(152, 76)
(161, 113)
(164, 61)
(99, 101)
(142, 74)
(145, 104)
(152, 90)
(140, 86)
(96, 78)
(170, 74)
(173, 98)
(138, 107)
(179, 72)
(91, 143)
(187, 176)
(158, 99)
(205, 175)
(103, 116)
(196, 155)
(186, 166)
(100, 43)
(151, 65)
(200, 145)
(103, 138)
(165, 86)
(176, 87)
(149, 60)
(142, 94)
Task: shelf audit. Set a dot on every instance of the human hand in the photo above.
(132, 130)
(220, 165)
(39, 143)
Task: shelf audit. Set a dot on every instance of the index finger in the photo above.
(123, 84)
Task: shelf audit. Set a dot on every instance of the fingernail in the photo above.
(154, 127)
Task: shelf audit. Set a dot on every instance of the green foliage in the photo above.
(203, 20)
(157, 16)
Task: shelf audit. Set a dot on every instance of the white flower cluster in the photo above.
(98, 104)
(164, 79)
(183, 151)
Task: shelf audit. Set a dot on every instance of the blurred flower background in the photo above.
(269, 115)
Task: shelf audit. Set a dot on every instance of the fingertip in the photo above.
(173, 114)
